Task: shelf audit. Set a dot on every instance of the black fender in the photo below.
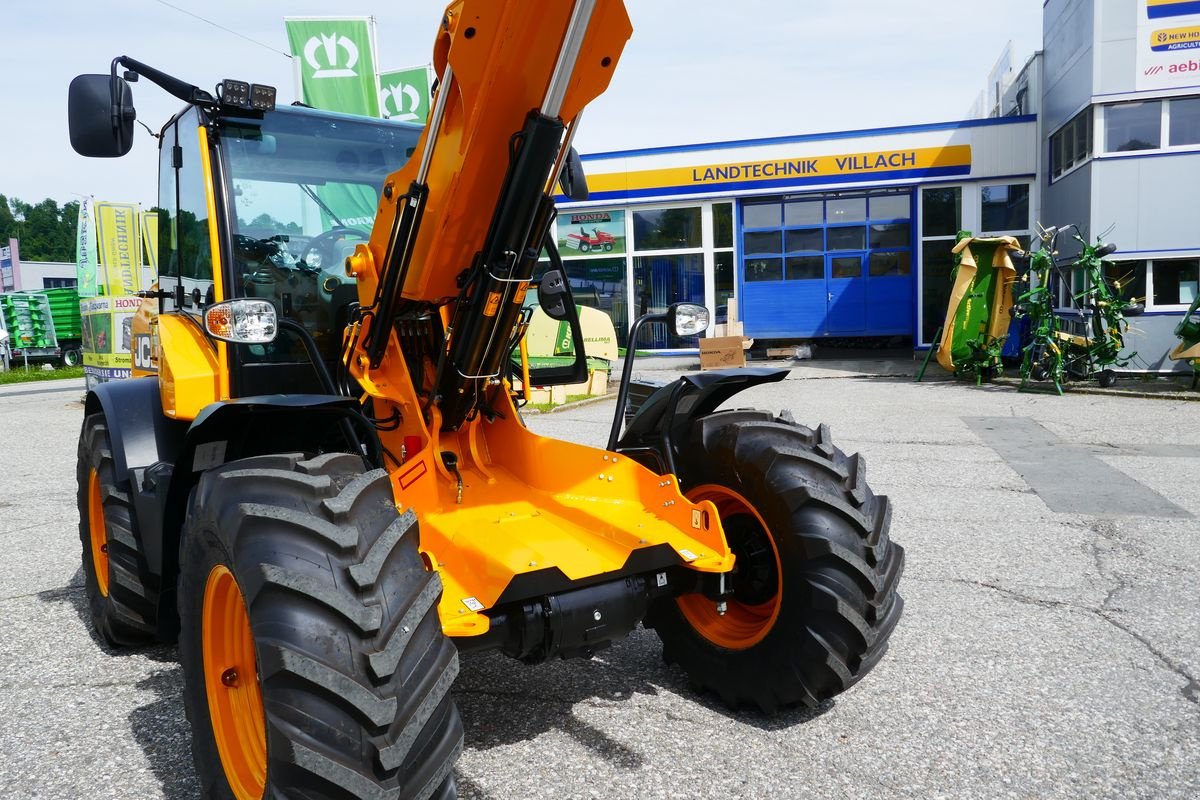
(143, 439)
(669, 412)
(139, 431)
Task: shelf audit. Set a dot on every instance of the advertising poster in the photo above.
(8, 280)
(1168, 44)
(119, 244)
(591, 233)
(87, 259)
(107, 330)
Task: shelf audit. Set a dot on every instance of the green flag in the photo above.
(337, 63)
(337, 73)
(87, 261)
(404, 94)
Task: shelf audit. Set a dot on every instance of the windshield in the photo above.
(303, 186)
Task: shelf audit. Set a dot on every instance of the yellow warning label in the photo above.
(519, 297)
(493, 304)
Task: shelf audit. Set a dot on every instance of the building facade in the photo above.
(848, 234)
(1120, 115)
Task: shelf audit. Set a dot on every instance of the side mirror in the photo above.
(100, 115)
(552, 295)
(687, 319)
(571, 180)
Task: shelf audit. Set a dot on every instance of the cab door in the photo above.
(185, 233)
(193, 370)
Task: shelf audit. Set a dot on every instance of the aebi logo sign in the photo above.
(324, 53)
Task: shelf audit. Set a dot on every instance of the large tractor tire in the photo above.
(814, 589)
(314, 662)
(122, 594)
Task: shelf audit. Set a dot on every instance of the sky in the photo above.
(694, 71)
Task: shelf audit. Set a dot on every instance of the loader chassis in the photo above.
(360, 483)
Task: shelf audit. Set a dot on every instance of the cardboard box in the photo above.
(721, 352)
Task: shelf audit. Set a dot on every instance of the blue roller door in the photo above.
(827, 265)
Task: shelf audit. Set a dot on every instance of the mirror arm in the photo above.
(626, 375)
(185, 91)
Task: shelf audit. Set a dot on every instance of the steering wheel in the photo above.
(319, 253)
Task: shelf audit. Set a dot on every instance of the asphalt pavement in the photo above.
(1050, 645)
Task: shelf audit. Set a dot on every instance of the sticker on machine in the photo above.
(208, 455)
(688, 554)
(473, 604)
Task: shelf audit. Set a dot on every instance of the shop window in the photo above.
(1176, 282)
(1127, 279)
(805, 240)
(764, 269)
(1005, 208)
(846, 209)
(937, 262)
(890, 206)
(761, 215)
(1185, 121)
(890, 236)
(851, 238)
(805, 268)
(667, 229)
(59, 283)
(600, 283)
(1133, 126)
(889, 264)
(723, 284)
(659, 281)
(762, 242)
(803, 212)
(941, 211)
(1072, 143)
(722, 224)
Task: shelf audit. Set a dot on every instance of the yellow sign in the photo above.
(1172, 39)
(915, 162)
(119, 241)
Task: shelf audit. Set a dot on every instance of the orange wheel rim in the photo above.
(97, 533)
(231, 684)
(743, 624)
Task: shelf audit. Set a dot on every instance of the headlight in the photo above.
(242, 321)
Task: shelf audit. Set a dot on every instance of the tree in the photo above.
(46, 232)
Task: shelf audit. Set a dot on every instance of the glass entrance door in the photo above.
(659, 281)
(846, 293)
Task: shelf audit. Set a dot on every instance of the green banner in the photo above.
(337, 73)
(404, 94)
(87, 260)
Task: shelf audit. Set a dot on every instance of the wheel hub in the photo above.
(749, 615)
(97, 533)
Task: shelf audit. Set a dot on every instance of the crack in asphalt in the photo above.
(1106, 530)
